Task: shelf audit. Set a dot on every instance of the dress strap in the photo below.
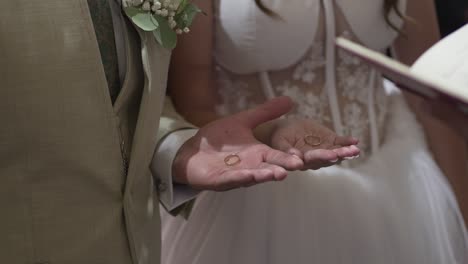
(330, 69)
(267, 87)
(330, 77)
(374, 131)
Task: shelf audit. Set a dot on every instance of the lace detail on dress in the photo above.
(311, 103)
(306, 71)
(353, 82)
(352, 74)
(308, 104)
(236, 95)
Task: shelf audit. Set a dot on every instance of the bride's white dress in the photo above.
(393, 205)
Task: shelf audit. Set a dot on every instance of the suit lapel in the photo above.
(155, 61)
(155, 65)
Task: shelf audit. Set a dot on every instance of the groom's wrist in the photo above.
(180, 162)
(172, 147)
(162, 167)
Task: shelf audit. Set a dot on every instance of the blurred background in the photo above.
(452, 15)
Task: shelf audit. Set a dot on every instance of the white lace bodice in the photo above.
(327, 85)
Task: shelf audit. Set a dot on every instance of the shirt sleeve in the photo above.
(171, 195)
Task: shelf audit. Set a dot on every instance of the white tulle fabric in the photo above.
(396, 208)
(393, 206)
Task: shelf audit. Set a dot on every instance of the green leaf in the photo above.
(187, 15)
(164, 34)
(143, 19)
(182, 6)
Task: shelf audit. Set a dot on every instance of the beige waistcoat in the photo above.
(65, 193)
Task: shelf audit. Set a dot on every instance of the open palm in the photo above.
(316, 144)
(201, 160)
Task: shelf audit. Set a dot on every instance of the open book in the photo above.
(441, 73)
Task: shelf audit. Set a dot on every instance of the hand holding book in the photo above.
(451, 116)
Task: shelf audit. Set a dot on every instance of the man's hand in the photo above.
(201, 164)
(317, 145)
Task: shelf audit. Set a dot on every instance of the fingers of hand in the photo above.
(319, 158)
(348, 152)
(296, 152)
(265, 112)
(279, 173)
(282, 159)
(345, 141)
(283, 144)
(232, 179)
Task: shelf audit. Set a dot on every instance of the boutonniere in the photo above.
(164, 18)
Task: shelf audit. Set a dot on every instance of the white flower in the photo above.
(137, 2)
(164, 12)
(171, 20)
(146, 6)
(156, 6)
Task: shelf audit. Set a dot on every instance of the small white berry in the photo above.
(172, 24)
(186, 30)
(137, 2)
(164, 12)
(146, 6)
(158, 12)
(178, 31)
(156, 6)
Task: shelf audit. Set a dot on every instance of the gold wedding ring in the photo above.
(313, 140)
(232, 160)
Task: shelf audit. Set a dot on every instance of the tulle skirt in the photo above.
(396, 207)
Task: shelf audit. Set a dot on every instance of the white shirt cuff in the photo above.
(171, 195)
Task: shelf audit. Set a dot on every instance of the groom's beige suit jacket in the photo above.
(75, 184)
